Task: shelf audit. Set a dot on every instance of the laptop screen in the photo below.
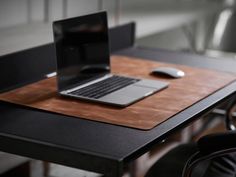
(82, 49)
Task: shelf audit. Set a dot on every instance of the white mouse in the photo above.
(168, 71)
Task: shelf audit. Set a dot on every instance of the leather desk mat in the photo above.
(145, 114)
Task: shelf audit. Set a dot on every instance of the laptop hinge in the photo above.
(85, 85)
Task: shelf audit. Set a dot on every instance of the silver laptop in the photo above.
(83, 64)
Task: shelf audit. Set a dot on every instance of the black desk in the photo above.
(94, 146)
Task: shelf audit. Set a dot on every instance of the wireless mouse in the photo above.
(168, 72)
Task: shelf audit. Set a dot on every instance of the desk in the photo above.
(95, 146)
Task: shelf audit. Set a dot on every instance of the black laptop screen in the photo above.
(82, 49)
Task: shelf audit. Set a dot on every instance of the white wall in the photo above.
(15, 12)
(151, 18)
(36, 10)
(81, 7)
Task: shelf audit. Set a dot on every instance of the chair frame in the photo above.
(206, 153)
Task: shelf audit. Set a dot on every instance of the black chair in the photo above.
(122, 37)
(212, 155)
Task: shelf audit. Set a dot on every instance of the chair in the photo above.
(122, 36)
(213, 155)
(34, 64)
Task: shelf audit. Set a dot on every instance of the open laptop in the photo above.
(83, 64)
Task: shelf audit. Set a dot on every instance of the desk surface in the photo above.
(77, 142)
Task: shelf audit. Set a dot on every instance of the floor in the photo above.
(59, 171)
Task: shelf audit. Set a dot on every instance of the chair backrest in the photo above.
(122, 37)
(30, 65)
(26, 66)
(220, 148)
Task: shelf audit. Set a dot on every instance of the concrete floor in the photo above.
(59, 171)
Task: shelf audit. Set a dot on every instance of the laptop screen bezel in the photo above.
(58, 47)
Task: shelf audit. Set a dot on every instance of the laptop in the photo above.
(83, 64)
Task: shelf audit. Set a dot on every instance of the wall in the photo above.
(15, 12)
(151, 18)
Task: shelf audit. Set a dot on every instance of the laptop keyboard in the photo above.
(104, 87)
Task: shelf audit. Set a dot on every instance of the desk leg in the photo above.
(139, 166)
(133, 169)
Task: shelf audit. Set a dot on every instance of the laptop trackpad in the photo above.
(127, 95)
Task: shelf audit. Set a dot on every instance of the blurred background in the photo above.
(205, 27)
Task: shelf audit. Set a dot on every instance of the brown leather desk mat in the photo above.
(145, 114)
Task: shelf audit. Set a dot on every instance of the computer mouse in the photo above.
(168, 72)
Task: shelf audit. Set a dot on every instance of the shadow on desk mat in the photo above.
(145, 114)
